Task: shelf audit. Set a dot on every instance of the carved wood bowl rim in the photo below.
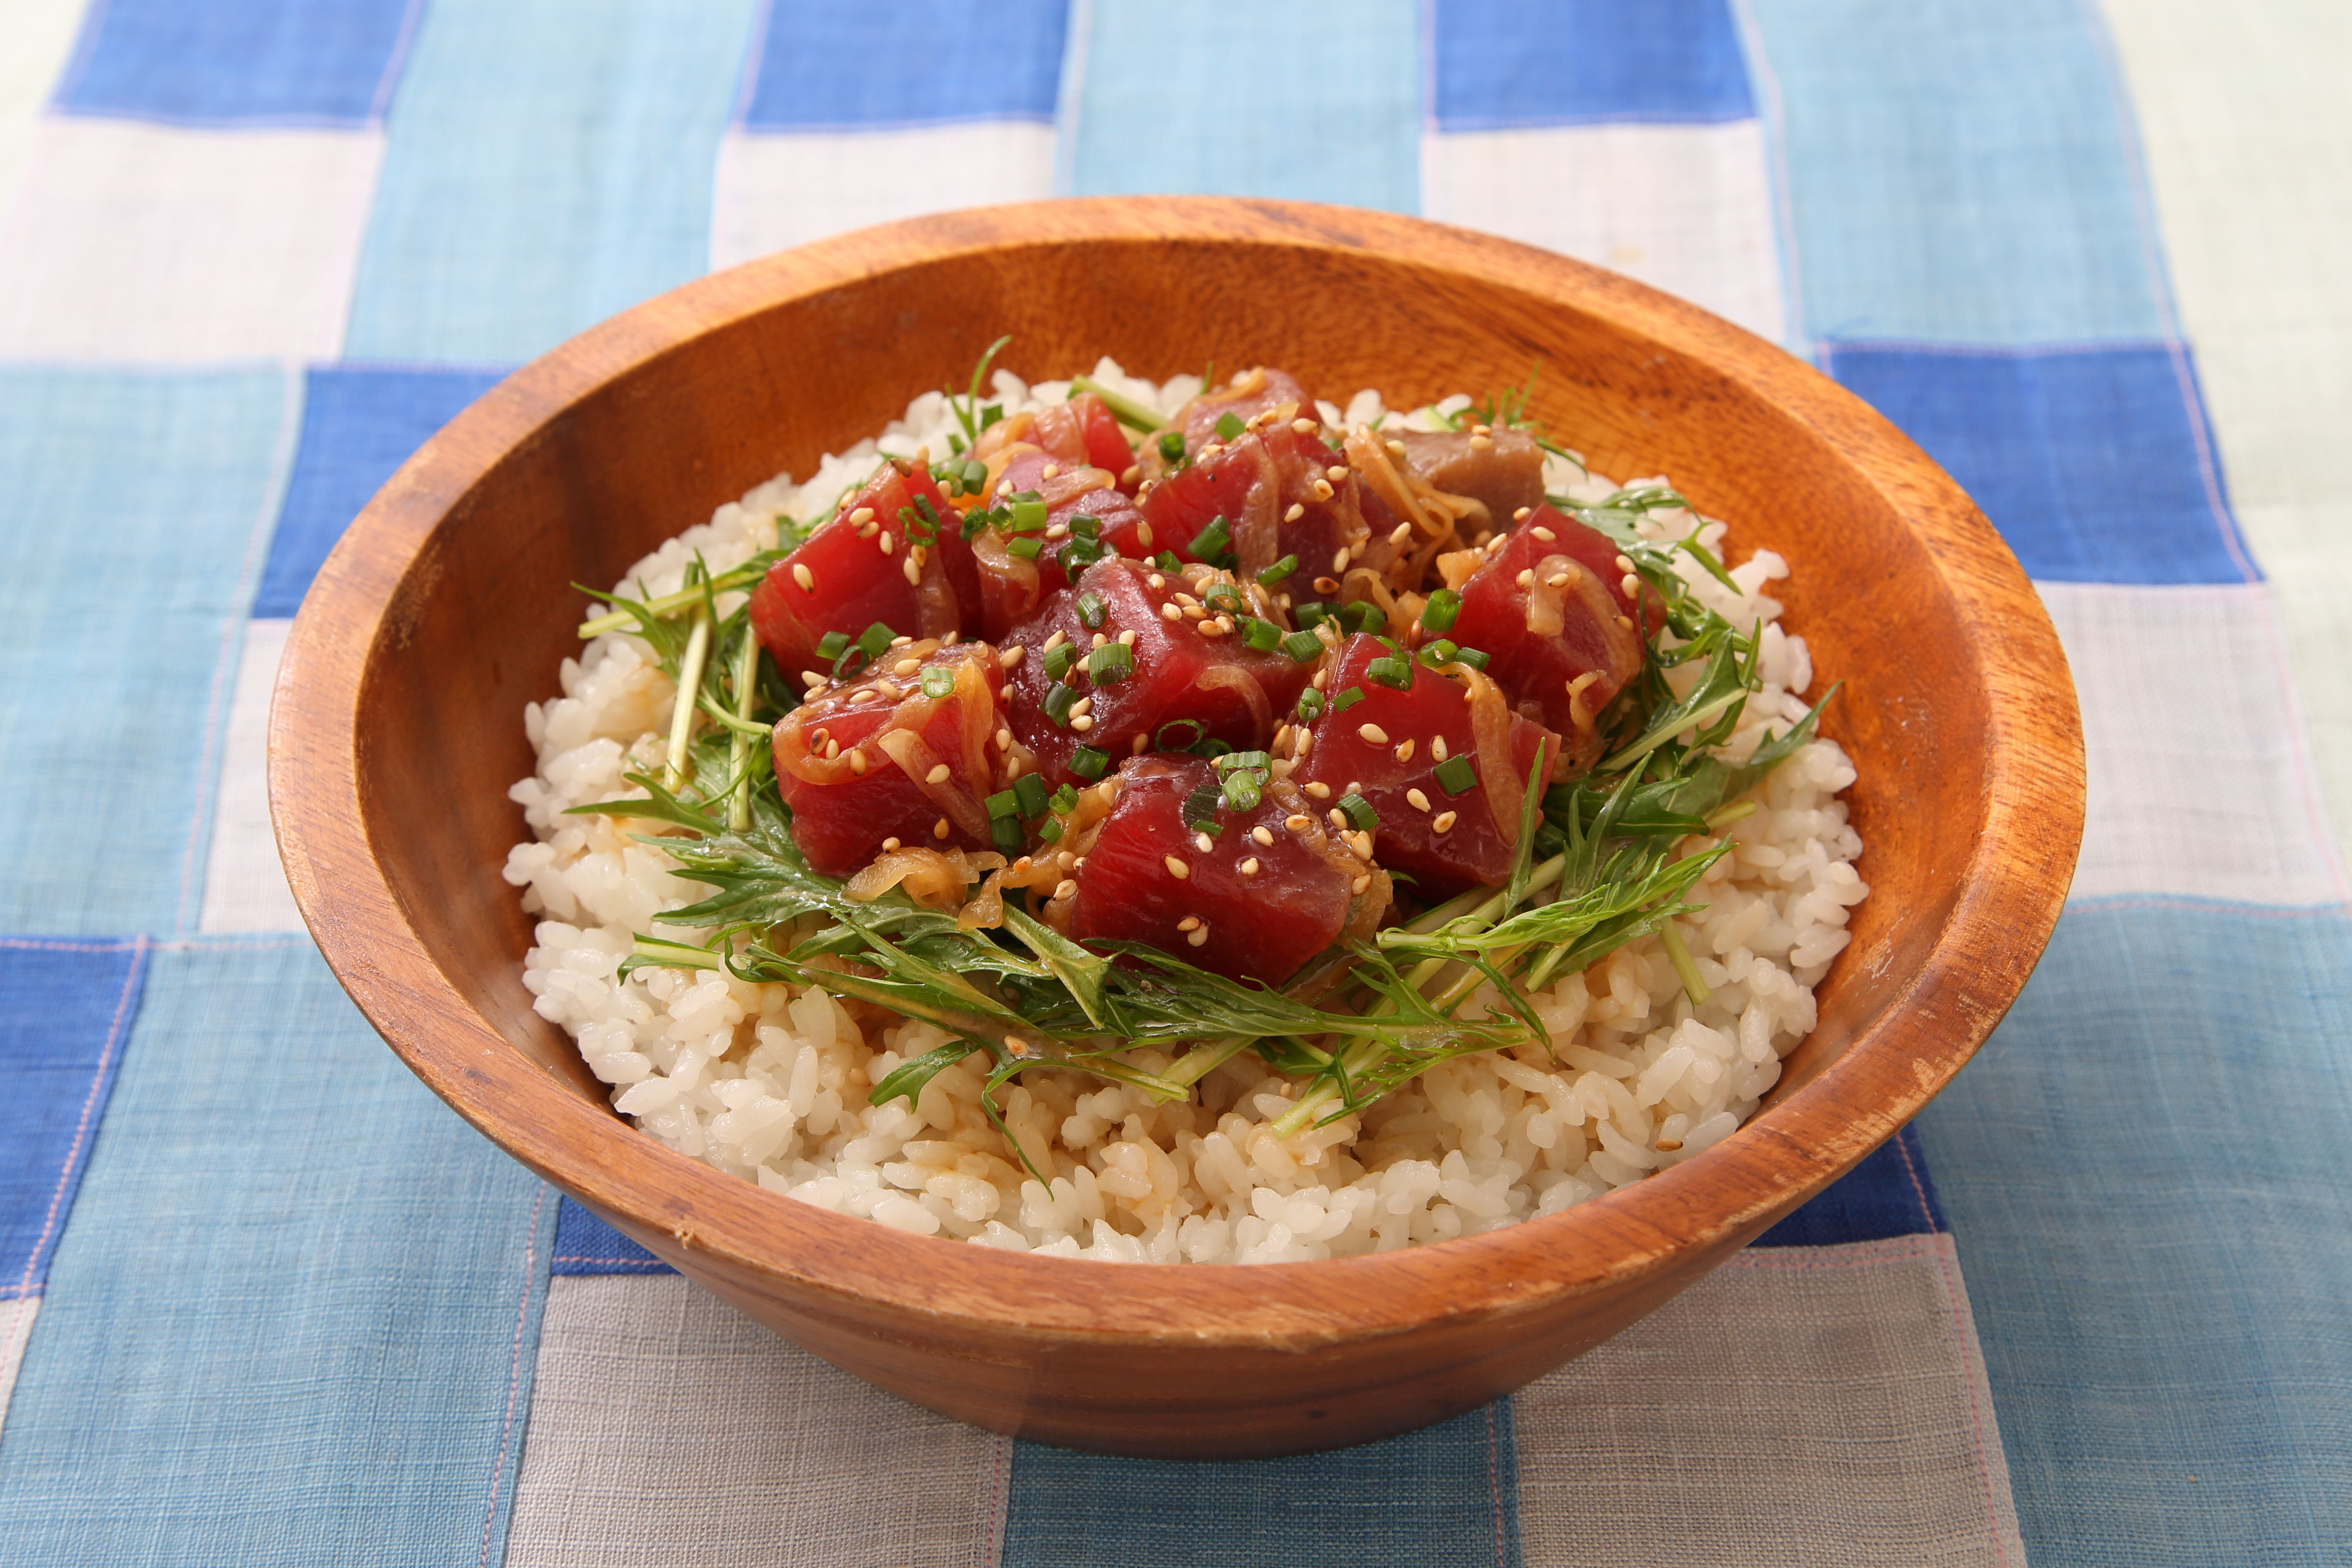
(698, 1217)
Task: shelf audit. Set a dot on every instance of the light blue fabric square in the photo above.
(1444, 1497)
(134, 506)
(825, 66)
(548, 163)
(2145, 1170)
(359, 423)
(1958, 173)
(237, 62)
(2097, 465)
(1503, 64)
(293, 1319)
(66, 1008)
(1316, 101)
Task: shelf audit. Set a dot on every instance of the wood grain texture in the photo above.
(396, 731)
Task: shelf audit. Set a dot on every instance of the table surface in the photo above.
(263, 1299)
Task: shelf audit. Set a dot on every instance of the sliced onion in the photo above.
(1230, 677)
(935, 878)
(1490, 729)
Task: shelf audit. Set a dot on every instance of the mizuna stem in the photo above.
(690, 685)
(739, 744)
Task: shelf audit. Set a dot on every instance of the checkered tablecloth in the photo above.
(262, 1299)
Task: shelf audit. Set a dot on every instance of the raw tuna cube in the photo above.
(878, 559)
(1274, 887)
(1448, 813)
(1013, 581)
(1084, 431)
(1257, 483)
(1187, 674)
(854, 762)
(1548, 608)
(1245, 398)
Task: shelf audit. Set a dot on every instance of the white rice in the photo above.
(769, 1082)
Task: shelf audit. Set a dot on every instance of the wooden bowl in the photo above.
(398, 727)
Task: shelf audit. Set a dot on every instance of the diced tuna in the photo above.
(892, 553)
(1256, 483)
(1274, 887)
(1550, 610)
(1187, 675)
(1245, 398)
(1084, 431)
(1501, 469)
(857, 761)
(1448, 815)
(1014, 583)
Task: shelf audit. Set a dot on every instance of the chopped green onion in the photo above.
(1166, 560)
(1004, 802)
(1087, 764)
(1304, 647)
(1111, 663)
(1208, 746)
(1346, 700)
(1212, 541)
(1262, 636)
(1031, 789)
(1064, 800)
(1241, 791)
(1455, 775)
(875, 640)
(1028, 513)
(1475, 657)
(1316, 614)
(1439, 654)
(939, 683)
(1085, 527)
(975, 474)
(1172, 446)
(1006, 833)
(974, 521)
(1244, 759)
(1362, 616)
(1311, 704)
(1278, 571)
(1391, 671)
(1091, 611)
(833, 645)
(1229, 426)
(1059, 700)
(1050, 830)
(1200, 809)
(1079, 553)
(1059, 659)
(1437, 616)
(991, 413)
(1026, 549)
(1160, 741)
(1360, 811)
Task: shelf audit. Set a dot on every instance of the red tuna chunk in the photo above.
(1013, 585)
(1550, 610)
(1256, 483)
(1245, 398)
(1390, 745)
(854, 761)
(1084, 431)
(872, 561)
(1188, 663)
(1262, 899)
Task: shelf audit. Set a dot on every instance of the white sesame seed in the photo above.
(1540, 531)
(1212, 449)
(1249, 867)
(1190, 923)
(1187, 600)
(1522, 514)
(832, 749)
(1010, 656)
(1631, 584)
(1443, 822)
(1127, 637)
(1059, 531)
(1327, 584)
(1050, 471)
(1339, 559)
(1004, 740)
(1128, 475)
(1482, 442)
(1319, 790)
(1141, 740)
(1066, 889)
(1558, 580)
(938, 774)
(913, 569)
(1336, 472)
(1198, 938)
(1082, 723)
(1338, 818)
(1155, 582)
(1571, 574)
(1416, 800)
(887, 542)
(804, 577)
(1262, 834)
(888, 845)
(939, 829)
(1300, 742)
(1057, 640)
(1101, 637)
(1437, 748)
(1107, 791)
(1482, 429)
(1323, 491)
(1297, 509)
(1624, 564)
(1215, 628)
(1171, 612)
(907, 667)
(863, 694)
(1396, 448)
(1373, 735)
(1362, 884)
(1298, 823)
(1203, 843)
(813, 678)
(902, 642)
(1322, 678)
(1404, 750)
(887, 687)
(1142, 530)
(869, 529)
(858, 761)
(1304, 425)
(1527, 579)
(1625, 623)
(1669, 1145)
(863, 514)
(1176, 869)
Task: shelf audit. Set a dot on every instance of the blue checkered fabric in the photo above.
(263, 1299)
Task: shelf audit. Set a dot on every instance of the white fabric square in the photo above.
(15, 1326)
(2200, 784)
(1813, 1405)
(40, 40)
(245, 882)
(1685, 208)
(777, 189)
(127, 241)
(666, 1427)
